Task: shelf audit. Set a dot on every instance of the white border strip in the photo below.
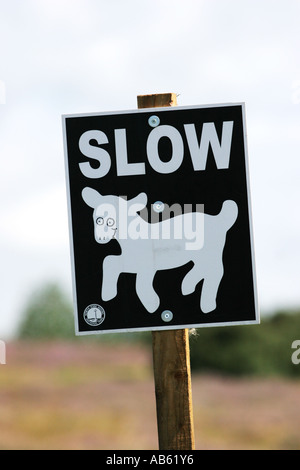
(151, 110)
(74, 290)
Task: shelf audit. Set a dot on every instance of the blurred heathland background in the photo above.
(73, 56)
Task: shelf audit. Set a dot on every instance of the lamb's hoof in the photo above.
(207, 307)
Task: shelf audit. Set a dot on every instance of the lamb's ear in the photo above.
(139, 202)
(91, 197)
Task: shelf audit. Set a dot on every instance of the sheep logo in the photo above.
(144, 251)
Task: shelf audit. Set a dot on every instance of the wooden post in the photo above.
(171, 359)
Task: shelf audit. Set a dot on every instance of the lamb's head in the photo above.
(109, 212)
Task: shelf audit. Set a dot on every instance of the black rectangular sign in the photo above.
(160, 219)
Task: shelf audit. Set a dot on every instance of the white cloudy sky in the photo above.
(71, 56)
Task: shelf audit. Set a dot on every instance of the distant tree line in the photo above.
(263, 350)
(258, 350)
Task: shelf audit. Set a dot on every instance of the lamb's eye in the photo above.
(110, 222)
(99, 221)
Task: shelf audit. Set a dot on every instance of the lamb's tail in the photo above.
(228, 213)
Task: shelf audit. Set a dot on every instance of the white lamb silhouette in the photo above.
(144, 255)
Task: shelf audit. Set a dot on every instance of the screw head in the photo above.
(167, 316)
(153, 121)
(158, 207)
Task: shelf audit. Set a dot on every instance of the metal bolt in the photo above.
(154, 121)
(167, 315)
(158, 206)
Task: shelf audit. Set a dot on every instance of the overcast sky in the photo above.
(72, 56)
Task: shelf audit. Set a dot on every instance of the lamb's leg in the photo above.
(111, 272)
(210, 289)
(191, 280)
(146, 292)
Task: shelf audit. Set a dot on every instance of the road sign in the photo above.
(160, 219)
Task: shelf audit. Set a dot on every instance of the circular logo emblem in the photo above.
(94, 315)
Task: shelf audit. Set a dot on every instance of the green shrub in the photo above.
(263, 349)
(48, 315)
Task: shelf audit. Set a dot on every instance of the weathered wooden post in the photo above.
(171, 359)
